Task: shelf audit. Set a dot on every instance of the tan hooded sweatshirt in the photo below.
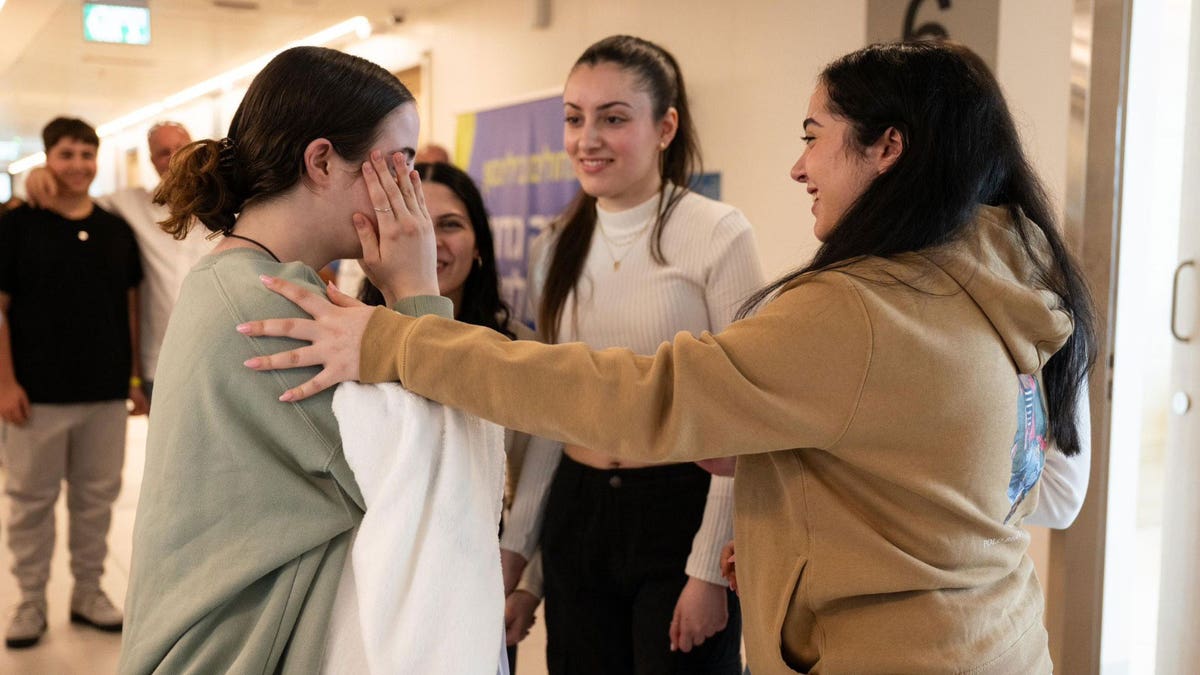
(891, 430)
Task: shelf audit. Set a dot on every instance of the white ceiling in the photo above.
(47, 70)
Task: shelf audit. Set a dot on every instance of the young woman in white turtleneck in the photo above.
(650, 259)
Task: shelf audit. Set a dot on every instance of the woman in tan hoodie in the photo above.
(890, 403)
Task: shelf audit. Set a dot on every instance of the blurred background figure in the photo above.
(432, 153)
(68, 288)
(165, 260)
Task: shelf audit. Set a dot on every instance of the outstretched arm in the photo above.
(787, 377)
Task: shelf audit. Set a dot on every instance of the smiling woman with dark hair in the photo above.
(466, 262)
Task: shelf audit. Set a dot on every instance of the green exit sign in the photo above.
(125, 24)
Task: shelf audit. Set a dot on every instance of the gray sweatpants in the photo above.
(84, 444)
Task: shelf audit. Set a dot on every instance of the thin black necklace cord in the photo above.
(256, 243)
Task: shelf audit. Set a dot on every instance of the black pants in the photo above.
(614, 546)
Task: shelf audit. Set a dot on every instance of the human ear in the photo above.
(667, 127)
(318, 160)
(886, 151)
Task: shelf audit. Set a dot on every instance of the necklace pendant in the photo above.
(616, 265)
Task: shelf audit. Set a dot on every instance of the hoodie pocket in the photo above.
(795, 624)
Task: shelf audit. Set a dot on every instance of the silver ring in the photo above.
(387, 210)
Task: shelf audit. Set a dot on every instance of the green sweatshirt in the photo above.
(247, 506)
(891, 429)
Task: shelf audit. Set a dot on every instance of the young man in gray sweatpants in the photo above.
(68, 294)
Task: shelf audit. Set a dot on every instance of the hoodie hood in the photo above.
(995, 267)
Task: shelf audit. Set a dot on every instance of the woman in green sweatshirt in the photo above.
(890, 402)
(247, 510)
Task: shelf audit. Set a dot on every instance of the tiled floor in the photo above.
(69, 649)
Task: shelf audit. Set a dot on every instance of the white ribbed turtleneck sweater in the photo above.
(712, 267)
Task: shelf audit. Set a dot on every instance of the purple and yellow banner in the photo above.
(515, 154)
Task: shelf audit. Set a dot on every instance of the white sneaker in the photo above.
(93, 608)
(27, 626)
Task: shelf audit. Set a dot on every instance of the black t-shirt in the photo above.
(69, 317)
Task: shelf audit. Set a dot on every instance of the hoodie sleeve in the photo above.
(788, 377)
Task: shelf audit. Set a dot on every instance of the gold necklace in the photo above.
(626, 242)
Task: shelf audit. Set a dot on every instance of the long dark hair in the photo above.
(960, 150)
(658, 73)
(303, 94)
(481, 304)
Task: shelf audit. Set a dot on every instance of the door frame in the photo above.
(1099, 85)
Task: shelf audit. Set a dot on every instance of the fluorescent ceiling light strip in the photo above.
(358, 25)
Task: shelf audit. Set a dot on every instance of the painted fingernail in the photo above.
(267, 281)
(376, 155)
(287, 397)
(243, 328)
(251, 363)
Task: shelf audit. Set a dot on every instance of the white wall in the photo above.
(1034, 68)
(749, 72)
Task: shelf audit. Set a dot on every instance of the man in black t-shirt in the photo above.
(68, 286)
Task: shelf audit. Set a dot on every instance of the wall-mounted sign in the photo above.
(974, 23)
(515, 154)
(126, 24)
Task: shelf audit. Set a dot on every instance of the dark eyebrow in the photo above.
(809, 121)
(602, 106)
